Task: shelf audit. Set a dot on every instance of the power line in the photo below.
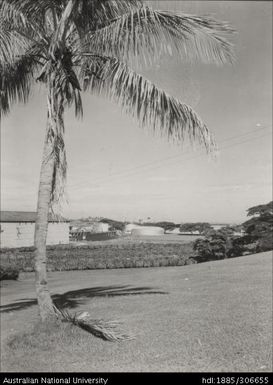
(194, 157)
(131, 172)
(173, 156)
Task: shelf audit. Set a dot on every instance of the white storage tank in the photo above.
(130, 227)
(147, 230)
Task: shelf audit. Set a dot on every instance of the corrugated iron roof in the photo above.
(26, 216)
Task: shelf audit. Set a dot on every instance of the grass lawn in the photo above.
(214, 316)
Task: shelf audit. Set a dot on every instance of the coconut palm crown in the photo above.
(73, 46)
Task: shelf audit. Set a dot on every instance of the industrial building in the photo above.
(17, 229)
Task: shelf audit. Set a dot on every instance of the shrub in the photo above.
(216, 245)
(242, 246)
(68, 257)
(203, 250)
(190, 261)
(8, 271)
(139, 263)
(223, 244)
(265, 243)
(260, 227)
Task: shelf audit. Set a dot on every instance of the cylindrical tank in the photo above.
(130, 227)
(148, 230)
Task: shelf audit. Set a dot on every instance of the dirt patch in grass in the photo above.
(215, 316)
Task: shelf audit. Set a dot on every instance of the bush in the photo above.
(223, 244)
(243, 246)
(250, 244)
(260, 227)
(265, 243)
(8, 271)
(68, 257)
(216, 245)
(190, 261)
(203, 250)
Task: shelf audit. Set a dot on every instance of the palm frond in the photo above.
(107, 330)
(66, 97)
(140, 98)
(12, 11)
(12, 44)
(59, 36)
(60, 170)
(19, 60)
(15, 82)
(25, 16)
(63, 90)
(27, 11)
(91, 15)
(145, 34)
(80, 16)
(22, 33)
(55, 136)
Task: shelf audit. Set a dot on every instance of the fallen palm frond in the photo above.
(107, 330)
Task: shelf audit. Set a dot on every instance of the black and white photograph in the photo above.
(136, 190)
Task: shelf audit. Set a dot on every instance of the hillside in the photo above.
(215, 316)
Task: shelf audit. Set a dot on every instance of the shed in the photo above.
(17, 229)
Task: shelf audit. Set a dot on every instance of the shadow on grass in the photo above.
(74, 298)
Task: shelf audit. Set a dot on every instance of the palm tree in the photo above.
(90, 45)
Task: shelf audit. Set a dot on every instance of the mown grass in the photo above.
(215, 316)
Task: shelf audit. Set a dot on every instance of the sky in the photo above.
(118, 170)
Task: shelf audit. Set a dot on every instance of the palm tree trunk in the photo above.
(44, 196)
(47, 185)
